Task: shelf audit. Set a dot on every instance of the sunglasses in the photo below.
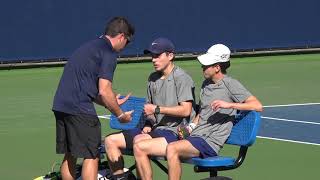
(129, 38)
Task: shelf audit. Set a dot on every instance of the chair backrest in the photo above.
(245, 128)
(133, 103)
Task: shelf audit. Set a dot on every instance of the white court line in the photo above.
(288, 120)
(284, 105)
(104, 116)
(286, 140)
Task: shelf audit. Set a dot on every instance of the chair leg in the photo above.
(213, 173)
(161, 166)
(131, 168)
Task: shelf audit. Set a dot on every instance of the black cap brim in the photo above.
(147, 51)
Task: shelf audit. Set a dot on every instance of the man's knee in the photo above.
(138, 148)
(141, 137)
(137, 138)
(91, 162)
(113, 140)
(171, 150)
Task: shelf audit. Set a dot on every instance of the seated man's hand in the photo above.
(218, 104)
(146, 129)
(149, 109)
(126, 117)
(123, 100)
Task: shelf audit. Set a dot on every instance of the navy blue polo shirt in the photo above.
(78, 86)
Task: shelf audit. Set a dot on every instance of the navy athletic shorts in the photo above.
(131, 133)
(167, 134)
(79, 135)
(129, 136)
(202, 146)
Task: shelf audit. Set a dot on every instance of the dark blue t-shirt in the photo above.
(78, 86)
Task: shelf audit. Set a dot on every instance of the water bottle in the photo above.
(185, 130)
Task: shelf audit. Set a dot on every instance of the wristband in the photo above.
(192, 126)
(120, 116)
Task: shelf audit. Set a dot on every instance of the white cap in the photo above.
(215, 54)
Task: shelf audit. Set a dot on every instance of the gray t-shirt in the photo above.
(177, 87)
(215, 126)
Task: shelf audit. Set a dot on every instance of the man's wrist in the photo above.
(233, 105)
(157, 110)
(192, 126)
(121, 115)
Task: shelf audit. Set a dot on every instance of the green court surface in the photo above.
(27, 126)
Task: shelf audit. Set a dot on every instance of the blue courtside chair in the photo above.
(133, 103)
(243, 134)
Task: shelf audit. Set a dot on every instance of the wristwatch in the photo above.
(157, 110)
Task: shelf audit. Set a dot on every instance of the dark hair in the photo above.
(224, 66)
(167, 53)
(119, 25)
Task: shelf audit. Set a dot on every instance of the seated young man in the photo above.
(220, 97)
(170, 100)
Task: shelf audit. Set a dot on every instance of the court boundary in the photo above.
(281, 119)
(288, 105)
(287, 140)
(290, 120)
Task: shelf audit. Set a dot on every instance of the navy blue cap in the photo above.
(159, 46)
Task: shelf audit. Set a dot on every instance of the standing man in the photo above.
(170, 98)
(87, 78)
(220, 97)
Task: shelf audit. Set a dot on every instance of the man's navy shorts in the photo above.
(167, 134)
(202, 146)
(131, 133)
(79, 135)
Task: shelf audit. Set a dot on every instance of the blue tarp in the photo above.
(43, 29)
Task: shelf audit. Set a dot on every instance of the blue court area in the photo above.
(296, 122)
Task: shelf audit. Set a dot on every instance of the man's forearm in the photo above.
(252, 103)
(98, 101)
(195, 120)
(109, 100)
(178, 111)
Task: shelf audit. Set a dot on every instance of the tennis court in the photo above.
(287, 85)
(298, 123)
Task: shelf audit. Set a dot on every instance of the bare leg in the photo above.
(175, 151)
(113, 144)
(90, 169)
(68, 167)
(137, 139)
(141, 137)
(144, 148)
